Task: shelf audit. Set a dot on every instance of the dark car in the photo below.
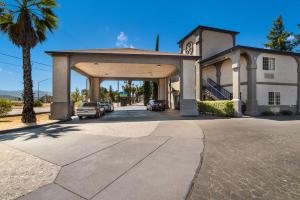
(156, 105)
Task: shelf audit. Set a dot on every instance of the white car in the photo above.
(90, 109)
(109, 107)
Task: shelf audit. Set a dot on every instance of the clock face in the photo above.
(189, 48)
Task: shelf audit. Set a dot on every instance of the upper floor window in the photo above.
(268, 63)
(274, 98)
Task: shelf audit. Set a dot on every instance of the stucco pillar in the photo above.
(188, 102)
(201, 82)
(198, 81)
(61, 107)
(298, 90)
(94, 89)
(252, 108)
(236, 86)
(218, 72)
(162, 89)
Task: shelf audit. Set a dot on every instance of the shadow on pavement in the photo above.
(52, 131)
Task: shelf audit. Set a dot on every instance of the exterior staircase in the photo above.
(213, 91)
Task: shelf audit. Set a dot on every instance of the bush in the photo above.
(268, 113)
(219, 108)
(37, 103)
(17, 103)
(286, 112)
(5, 107)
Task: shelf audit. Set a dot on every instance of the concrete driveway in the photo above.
(129, 154)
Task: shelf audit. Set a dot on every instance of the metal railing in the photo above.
(217, 90)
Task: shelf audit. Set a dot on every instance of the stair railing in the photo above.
(218, 90)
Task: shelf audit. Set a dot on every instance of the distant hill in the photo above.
(14, 95)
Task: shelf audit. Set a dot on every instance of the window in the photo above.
(274, 98)
(268, 63)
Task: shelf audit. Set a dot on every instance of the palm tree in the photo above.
(26, 24)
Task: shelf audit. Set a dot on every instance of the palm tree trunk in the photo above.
(28, 114)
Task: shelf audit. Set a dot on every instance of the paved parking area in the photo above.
(129, 154)
(249, 158)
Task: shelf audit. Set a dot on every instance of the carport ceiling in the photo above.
(125, 70)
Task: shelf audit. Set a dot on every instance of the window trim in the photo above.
(271, 65)
(275, 98)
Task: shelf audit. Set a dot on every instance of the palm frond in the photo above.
(28, 21)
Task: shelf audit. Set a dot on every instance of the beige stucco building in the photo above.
(209, 65)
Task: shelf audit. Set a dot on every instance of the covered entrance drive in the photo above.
(125, 64)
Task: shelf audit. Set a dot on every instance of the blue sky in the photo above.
(118, 23)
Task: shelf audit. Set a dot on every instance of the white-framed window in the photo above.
(274, 98)
(268, 63)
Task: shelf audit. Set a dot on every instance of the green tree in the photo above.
(157, 43)
(298, 36)
(111, 94)
(103, 94)
(147, 92)
(84, 94)
(128, 88)
(279, 39)
(154, 84)
(76, 97)
(26, 24)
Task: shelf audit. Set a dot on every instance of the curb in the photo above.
(30, 127)
(16, 115)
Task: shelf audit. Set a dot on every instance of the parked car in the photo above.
(90, 109)
(108, 106)
(156, 105)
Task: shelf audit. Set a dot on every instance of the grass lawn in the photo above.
(15, 122)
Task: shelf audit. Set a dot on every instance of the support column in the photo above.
(188, 102)
(236, 86)
(201, 82)
(252, 108)
(94, 89)
(61, 108)
(162, 89)
(198, 81)
(218, 72)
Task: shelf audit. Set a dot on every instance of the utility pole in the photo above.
(38, 94)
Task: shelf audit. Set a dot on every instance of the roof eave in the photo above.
(53, 53)
(207, 28)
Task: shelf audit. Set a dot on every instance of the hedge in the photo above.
(5, 107)
(219, 108)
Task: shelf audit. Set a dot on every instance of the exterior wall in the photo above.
(215, 42)
(209, 72)
(288, 94)
(285, 69)
(194, 39)
(285, 80)
(226, 72)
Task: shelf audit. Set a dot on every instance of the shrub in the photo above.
(17, 103)
(268, 113)
(37, 103)
(286, 112)
(5, 107)
(219, 108)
